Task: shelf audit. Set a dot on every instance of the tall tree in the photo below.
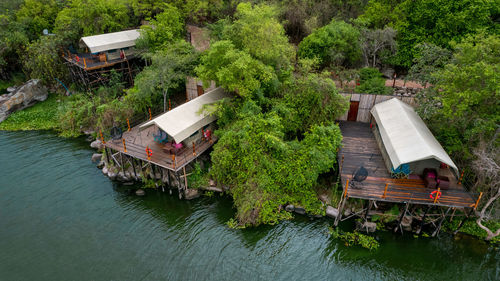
(169, 68)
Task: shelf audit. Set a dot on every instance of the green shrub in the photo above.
(355, 238)
(372, 82)
(41, 116)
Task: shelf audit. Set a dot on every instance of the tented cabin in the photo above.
(175, 138)
(186, 126)
(103, 53)
(111, 46)
(408, 147)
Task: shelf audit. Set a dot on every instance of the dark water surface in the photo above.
(61, 219)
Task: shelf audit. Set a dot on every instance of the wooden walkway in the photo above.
(360, 149)
(136, 142)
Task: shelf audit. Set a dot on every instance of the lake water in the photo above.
(61, 219)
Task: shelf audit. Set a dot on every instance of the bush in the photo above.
(372, 82)
(355, 238)
(336, 43)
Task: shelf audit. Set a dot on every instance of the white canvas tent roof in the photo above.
(184, 120)
(111, 41)
(405, 135)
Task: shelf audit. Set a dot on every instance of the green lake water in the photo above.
(62, 219)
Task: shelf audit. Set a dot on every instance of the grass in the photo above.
(41, 116)
(17, 79)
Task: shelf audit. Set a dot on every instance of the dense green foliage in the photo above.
(464, 105)
(336, 43)
(355, 238)
(277, 135)
(372, 82)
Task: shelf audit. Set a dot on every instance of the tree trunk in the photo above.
(165, 100)
(491, 234)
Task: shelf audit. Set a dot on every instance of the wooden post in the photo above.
(437, 195)
(477, 202)
(185, 178)
(194, 149)
(461, 176)
(150, 116)
(124, 146)
(102, 138)
(346, 188)
(85, 63)
(147, 153)
(438, 229)
(128, 124)
(173, 160)
(169, 105)
(423, 220)
(368, 207)
(133, 166)
(398, 226)
(385, 190)
(453, 214)
(108, 151)
(341, 164)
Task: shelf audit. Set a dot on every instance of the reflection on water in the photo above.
(61, 219)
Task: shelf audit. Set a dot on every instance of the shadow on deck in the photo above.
(359, 148)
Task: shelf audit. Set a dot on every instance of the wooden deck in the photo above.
(90, 62)
(137, 140)
(360, 149)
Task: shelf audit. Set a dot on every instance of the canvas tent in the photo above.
(406, 138)
(186, 119)
(111, 41)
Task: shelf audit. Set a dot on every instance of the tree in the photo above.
(377, 45)
(441, 22)
(42, 60)
(233, 69)
(336, 43)
(91, 17)
(428, 60)
(258, 32)
(307, 100)
(167, 27)
(37, 15)
(487, 168)
(169, 68)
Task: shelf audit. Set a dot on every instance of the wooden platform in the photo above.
(89, 62)
(137, 140)
(360, 149)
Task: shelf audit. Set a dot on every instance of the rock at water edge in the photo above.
(140, 192)
(332, 212)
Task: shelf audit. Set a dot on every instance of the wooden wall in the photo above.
(367, 101)
(192, 85)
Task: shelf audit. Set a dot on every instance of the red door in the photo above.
(200, 90)
(353, 111)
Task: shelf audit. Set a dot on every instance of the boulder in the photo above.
(101, 164)
(289, 208)
(366, 226)
(112, 175)
(105, 170)
(406, 223)
(11, 89)
(324, 198)
(97, 144)
(299, 210)
(96, 157)
(25, 96)
(140, 192)
(332, 212)
(191, 194)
